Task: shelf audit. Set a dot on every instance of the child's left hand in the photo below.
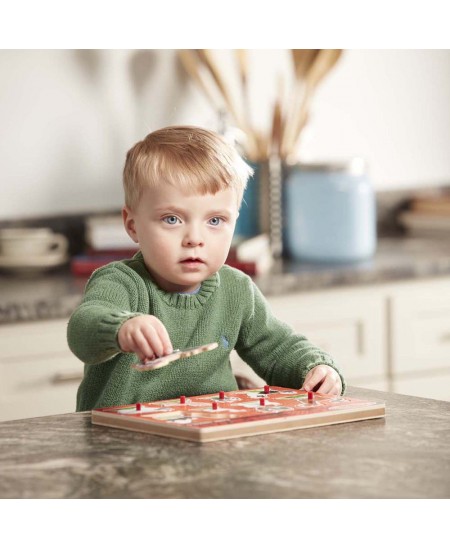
(323, 379)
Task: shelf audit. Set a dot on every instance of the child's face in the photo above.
(184, 238)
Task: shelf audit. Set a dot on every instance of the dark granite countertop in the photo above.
(396, 259)
(405, 455)
(56, 294)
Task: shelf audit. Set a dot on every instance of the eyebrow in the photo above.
(177, 209)
(169, 208)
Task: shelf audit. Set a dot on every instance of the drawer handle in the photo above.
(69, 377)
(360, 339)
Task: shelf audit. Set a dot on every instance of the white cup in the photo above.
(31, 242)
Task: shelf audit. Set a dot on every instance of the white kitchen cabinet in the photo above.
(420, 344)
(389, 337)
(348, 324)
(420, 326)
(38, 373)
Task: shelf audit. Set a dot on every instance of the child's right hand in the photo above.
(146, 336)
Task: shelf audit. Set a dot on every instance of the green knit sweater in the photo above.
(228, 309)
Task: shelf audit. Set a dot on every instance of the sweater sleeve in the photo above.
(272, 348)
(109, 301)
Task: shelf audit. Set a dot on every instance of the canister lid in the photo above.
(353, 166)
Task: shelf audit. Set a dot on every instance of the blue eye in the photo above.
(215, 221)
(171, 219)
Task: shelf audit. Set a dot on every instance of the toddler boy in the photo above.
(183, 188)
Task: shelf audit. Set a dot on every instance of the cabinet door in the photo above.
(420, 326)
(38, 373)
(350, 325)
(434, 385)
(240, 368)
(31, 339)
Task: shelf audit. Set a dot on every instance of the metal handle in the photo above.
(69, 377)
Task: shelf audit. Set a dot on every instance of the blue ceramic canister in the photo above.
(329, 212)
(248, 223)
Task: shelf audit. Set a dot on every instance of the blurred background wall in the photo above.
(69, 116)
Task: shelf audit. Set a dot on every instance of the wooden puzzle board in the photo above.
(237, 414)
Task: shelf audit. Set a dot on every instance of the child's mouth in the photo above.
(192, 261)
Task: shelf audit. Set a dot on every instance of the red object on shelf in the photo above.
(262, 401)
(138, 406)
(247, 267)
(214, 405)
(182, 399)
(85, 265)
(266, 389)
(252, 256)
(310, 396)
(221, 395)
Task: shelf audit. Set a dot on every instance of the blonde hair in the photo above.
(191, 158)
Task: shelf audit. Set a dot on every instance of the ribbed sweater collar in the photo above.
(186, 301)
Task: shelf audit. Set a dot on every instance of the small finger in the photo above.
(307, 383)
(153, 339)
(317, 374)
(333, 385)
(141, 346)
(164, 337)
(327, 386)
(127, 344)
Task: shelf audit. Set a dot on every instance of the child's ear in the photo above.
(129, 224)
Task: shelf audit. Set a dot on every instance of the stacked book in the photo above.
(253, 256)
(106, 241)
(107, 233)
(427, 216)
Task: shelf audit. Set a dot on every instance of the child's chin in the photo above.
(190, 277)
(192, 267)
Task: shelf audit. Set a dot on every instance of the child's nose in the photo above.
(193, 238)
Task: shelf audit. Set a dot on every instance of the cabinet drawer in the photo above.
(41, 387)
(26, 377)
(348, 325)
(421, 328)
(33, 339)
(39, 375)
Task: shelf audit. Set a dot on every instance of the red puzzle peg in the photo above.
(262, 401)
(182, 399)
(266, 389)
(214, 405)
(222, 395)
(310, 396)
(138, 406)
